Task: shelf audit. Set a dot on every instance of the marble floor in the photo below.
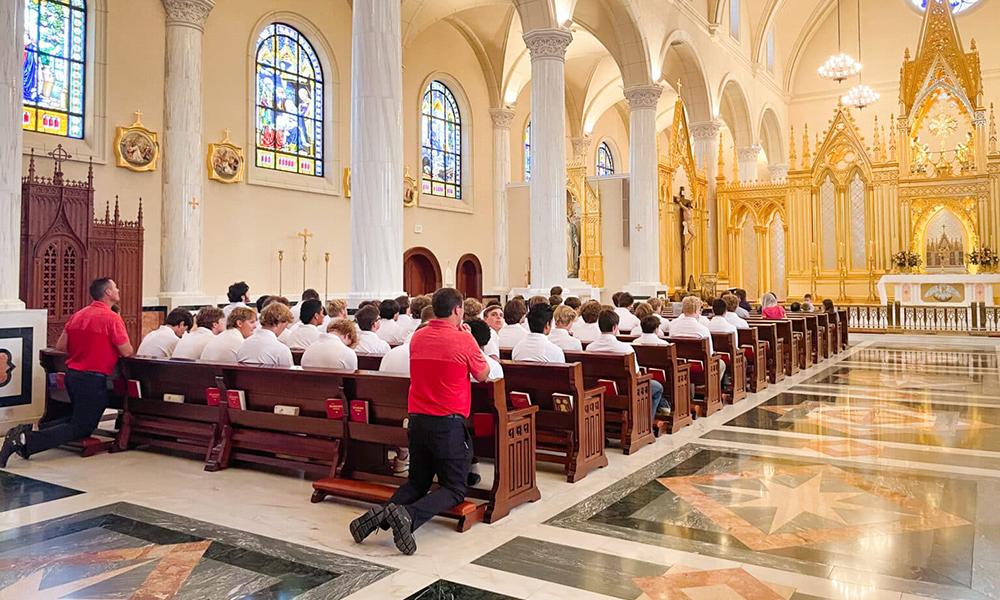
(871, 476)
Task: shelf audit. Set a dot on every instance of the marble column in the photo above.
(501, 179)
(706, 152)
(376, 151)
(181, 255)
(11, 84)
(548, 148)
(778, 173)
(644, 234)
(746, 159)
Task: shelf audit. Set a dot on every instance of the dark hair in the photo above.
(828, 305)
(309, 309)
(493, 302)
(366, 317)
(615, 296)
(309, 294)
(180, 316)
(417, 306)
(555, 300)
(625, 300)
(514, 311)
(795, 307)
(590, 311)
(209, 316)
(719, 306)
(445, 301)
(403, 302)
(650, 324)
(388, 309)
(539, 318)
(573, 302)
(480, 331)
(607, 321)
(261, 302)
(556, 290)
(99, 287)
(741, 294)
(237, 291)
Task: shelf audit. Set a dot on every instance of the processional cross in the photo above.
(305, 234)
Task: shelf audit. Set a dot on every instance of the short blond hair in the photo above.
(275, 314)
(656, 304)
(336, 308)
(690, 304)
(345, 328)
(732, 302)
(564, 315)
(238, 314)
(643, 310)
(472, 308)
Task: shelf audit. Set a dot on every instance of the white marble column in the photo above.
(376, 151)
(746, 159)
(181, 240)
(644, 235)
(501, 179)
(778, 173)
(11, 84)
(706, 152)
(548, 160)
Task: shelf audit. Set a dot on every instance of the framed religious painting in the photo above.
(136, 147)
(16, 347)
(411, 190)
(225, 161)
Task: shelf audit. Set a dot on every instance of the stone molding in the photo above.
(190, 13)
(548, 43)
(748, 153)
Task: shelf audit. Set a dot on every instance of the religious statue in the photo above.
(573, 236)
(686, 207)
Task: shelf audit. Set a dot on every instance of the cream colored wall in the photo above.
(518, 233)
(615, 253)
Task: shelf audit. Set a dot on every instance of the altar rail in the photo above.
(977, 319)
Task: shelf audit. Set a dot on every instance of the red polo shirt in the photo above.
(93, 335)
(442, 357)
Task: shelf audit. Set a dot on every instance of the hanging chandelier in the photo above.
(840, 66)
(860, 95)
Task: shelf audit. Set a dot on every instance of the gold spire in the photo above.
(791, 148)
(892, 137)
(736, 165)
(993, 131)
(884, 156)
(876, 143)
(806, 156)
(721, 166)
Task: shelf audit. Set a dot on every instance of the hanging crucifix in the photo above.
(687, 228)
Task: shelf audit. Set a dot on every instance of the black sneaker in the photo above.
(402, 528)
(367, 523)
(11, 444)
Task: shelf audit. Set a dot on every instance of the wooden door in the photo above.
(421, 272)
(469, 276)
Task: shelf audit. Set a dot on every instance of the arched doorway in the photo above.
(469, 276)
(421, 272)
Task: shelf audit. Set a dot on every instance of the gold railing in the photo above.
(897, 318)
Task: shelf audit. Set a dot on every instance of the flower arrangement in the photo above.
(904, 259)
(985, 258)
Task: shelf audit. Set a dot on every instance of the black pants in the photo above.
(88, 394)
(438, 446)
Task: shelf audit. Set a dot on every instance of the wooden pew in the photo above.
(809, 328)
(798, 342)
(369, 362)
(677, 386)
(704, 373)
(726, 344)
(755, 352)
(825, 342)
(767, 333)
(58, 407)
(574, 439)
(842, 319)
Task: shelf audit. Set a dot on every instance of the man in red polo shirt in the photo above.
(442, 357)
(93, 340)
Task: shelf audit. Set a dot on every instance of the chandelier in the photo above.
(860, 95)
(840, 66)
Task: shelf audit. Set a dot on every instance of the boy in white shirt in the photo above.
(657, 305)
(309, 294)
(689, 325)
(481, 331)
(588, 330)
(311, 315)
(609, 342)
(239, 295)
(211, 322)
(626, 320)
(388, 328)
(240, 324)
(732, 303)
(536, 347)
(161, 342)
(493, 316)
(263, 347)
(513, 332)
(333, 349)
(406, 321)
(650, 325)
(560, 336)
(368, 323)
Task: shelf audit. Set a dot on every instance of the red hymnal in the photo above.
(359, 411)
(483, 424)
(236, 399)
(659, 375)
(134, 389)
(610, 387)
(335, 408)
(520, 400)
(213, 396)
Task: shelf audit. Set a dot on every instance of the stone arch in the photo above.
(679, 61)
(624, 39)
(770, 136)
(735, 112)
(919, 239)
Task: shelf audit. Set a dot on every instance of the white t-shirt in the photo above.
(742, 312)
(396, 360)
(690, 327)
(612, 345)
(159, 343)
(229, 307)
(223, 347)
(492, 347)
(587, 332)
(496, 370)
(193, 343)
(263, 348)
(650, 339)
(371, 343)
(304, 336)
(406, 322)
(329, 352)
(721, 325)
(562, 339)
(536, 347)
(737, 321)
(391, 332)
(510, 335)
(626, 320)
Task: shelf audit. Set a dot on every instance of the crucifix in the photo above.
(687, 228)
(305, 234)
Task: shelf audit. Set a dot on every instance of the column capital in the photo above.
(778, 172)
(190, 13)
(643, 96)
(502, 117)
(548, 44)
(580, 147)
(705, 130)
(748, 153)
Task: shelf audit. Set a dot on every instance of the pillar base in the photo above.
(646, 290)
(23, 333)
(356, 298)
(175, 299)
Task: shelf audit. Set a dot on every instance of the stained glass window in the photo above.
(527, 151)
(734, 19)
(605, 161)
(957, 6)
(54, 70)
(289, 102)
(441, 142)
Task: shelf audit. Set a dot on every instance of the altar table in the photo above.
(940, 289)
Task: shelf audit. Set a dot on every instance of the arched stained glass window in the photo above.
(527, 151)
(605, 160)
(441, 142)
(957, 6)
(289, 102)
(54, 72)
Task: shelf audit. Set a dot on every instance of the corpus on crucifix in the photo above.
(687, 227)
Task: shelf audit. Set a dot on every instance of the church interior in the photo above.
(814, 184)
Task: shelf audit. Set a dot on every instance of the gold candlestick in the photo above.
(281, 258)
(326, 289)
(305, 234)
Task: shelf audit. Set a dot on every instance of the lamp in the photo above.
(840, 66)
(860, 95)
